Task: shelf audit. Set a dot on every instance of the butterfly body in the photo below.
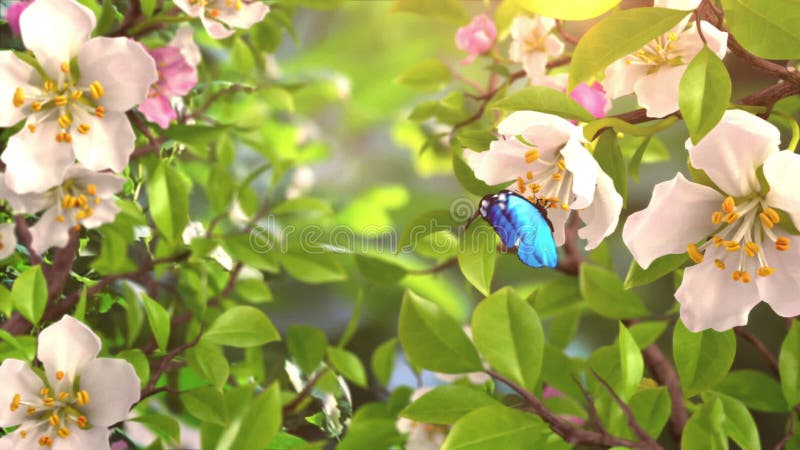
(523, 226)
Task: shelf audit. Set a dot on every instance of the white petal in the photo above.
(18, 378)
(54, 30)
(25, 203)
(109, 143)
(35, 162)
(602, 216)
(621, 77)
(535, 64)
(14, 73)
(780, 289)
(584, 169)
(66, 346)
(553, 46)
(677, 4)
(521, 27)
(658, 92)
(184, 40)
(679, 213)
(7, 443)
(214, 28)
(732, 151)
(8, 241)
(546, 132)
(716, 40)
(503, 162)
(106, 184)
(122, 66)
(689, 43)
(113, 388)
(558, 217)
(48, 232)
(95, 438)
(249, 15)
(782, 170)
(193, 9)
(103, 212)
(709, 298)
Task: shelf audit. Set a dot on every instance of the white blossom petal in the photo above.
(584, 169)
(658, 92)
(215, 28)
(8, 241)
(500, 164)
(35, 162)
(558, 217)
(620, 78)
(18, 378)
(7, 443)
(249, 15)
(535, 64)
(25, 203)
(602, 216)
(54, 30)
(122, 66)
(679, 214)
(113, 387)
(95, 438)
(547, 132)
(14, 73)
(192, 9)
(780, 289)
(677, 4)
(102, 213)
(732, 151)
(108, 145)
(48, 232)
(106, 184)
(689, 42)
(782, 170)
(66, 346)
(184, 40)
(709, 298)
(553, 46)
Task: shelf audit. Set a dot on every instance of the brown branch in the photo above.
(303, 394)
(564, 34)
(665, 374)
(566, 429)
(632, 423)
(594, 417)
(762, 349)
(571, 263)
(163, 367)
(25, 238)
(152, 147)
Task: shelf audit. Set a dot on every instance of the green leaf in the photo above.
(739, 424)
(200, 136)
(705, 429)
(370, 433)
(379, 270)
(148, 6)
(508, 334)
(347, 363)
(113, 258)
(568, 9)
(241, 326)
(254, 250)
(158, 318)
(546, 100)
(766, 28)
(307, 345)
(446, 404)
(477, 140)
(646, 333)
(430, 74)
(660, 267)
(165, 427)
(205, 404)
(789, 365)
(651, 408)
(632, 363)
(606, 296)
(262, 420)
(451, 10)
(382, 361)
(433, 340)
(313, 268)
(609, 155)
(617, 35)
(424, 225)
(704, 93)
(29, 294)
(477, 256)
(107, 18)
(703, 359)
(140, 364)
(209, 362)
(468, 181)
(757, 390)
(636, 159)
(220, 189)
(253, 290)
(168, 196)
(495, 427)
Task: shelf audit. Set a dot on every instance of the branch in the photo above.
(632, 424)
(302, 395)
(664, 373)
(564, 34)
(566, 429)
(762, 349)
(25, 238)
(570, 264)
(151, 389)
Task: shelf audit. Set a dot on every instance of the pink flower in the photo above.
(477, 37)
(13, 13)
(176, 77)
(592, 97)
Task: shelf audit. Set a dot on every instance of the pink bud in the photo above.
(13, 13)
(592, 98)
(477, 37)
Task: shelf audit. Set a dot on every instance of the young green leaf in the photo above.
(382, 361)
(606, 296)
(789, 364)
(429, 74)
(496, 427)
(705, 429)
(347, 363)
(29, 294)
(262, 420)
(755, 389)
(631, 362)
(241, 326)
(703, 359)
(168, 196)
(307, 345)
(766, 28)
(209, 362)
(446, 404)
(651, 408)
(205, 404)
(158, 318)
(609, 155)
(477, 256)
(657, 269)
(313, 268)
(739, 424)
(546, 100)
(568, 9)
(704, 93)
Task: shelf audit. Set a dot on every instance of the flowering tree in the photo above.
(164, 244)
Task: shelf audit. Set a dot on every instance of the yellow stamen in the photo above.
(238, 5)
(36, 106)
(91, 189)
(214, 12)
(100, 112)
(60, 375)
(731, 217)
(60, 100)
(65, 67)
(82, 421)
(82, 398)
(63, 396)
(23, 434)
(49, 401)
(76, 228)
(745, 277)
(46, 441)
(84, 128)
(751, 248)
(765, 271)
(31, 127)
(76, 95)
(63, 432)
(719, 264)
(672, 36)
(49, 86)
(31, 410)
(736, 275)
(765, 220)
(716, 217)
(96, 89)
(97, 200)
(64, 121)
(19, 97)
(782, 244)
(521, 185)
(732, 246)
(15, 402)
(44, 391)
(60, 218)
(561, 164)
(565, 206)
(531, 155)
(728, 205)
(717, 240)
(772, 215)
(694, 253)
(529, 175)
(54, 420)
(557, 176)
(535, 187)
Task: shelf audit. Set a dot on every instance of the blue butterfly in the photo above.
(521, 225)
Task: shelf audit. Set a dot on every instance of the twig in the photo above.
(24, 237)
(594, 417)
(150, 389)
(781, 445)
(564, 34)
(762, 349)
(200, 110)
(303, 394)
(152, 147)
(570, 264)
(632, 423)
(664, 373)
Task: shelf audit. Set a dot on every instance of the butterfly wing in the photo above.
(523, 226)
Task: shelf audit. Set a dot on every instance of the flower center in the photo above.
(51, 415)
(534, 42)
(212, 6)
(550, 186)
(76, 202)
(743, 231)
(65, 100)
(658, 52)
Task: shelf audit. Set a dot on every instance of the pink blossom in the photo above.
(13, 13)
(592, 97)
(176, 77)
(477, 37)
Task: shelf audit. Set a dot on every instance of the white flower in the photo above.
(85, 198)
(547, 157)
(8, 240)
(302, 181)
(735, 235)
(195, 230)
(184, 40)
(219, 16)
(80, 396)
(533, 44)
(654, 72)
(74, 103)
(421, 436)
